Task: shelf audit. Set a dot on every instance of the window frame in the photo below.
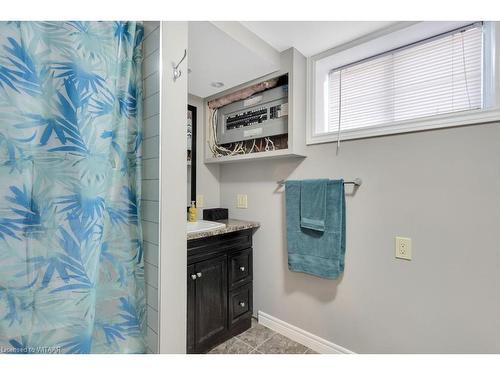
(396, 36)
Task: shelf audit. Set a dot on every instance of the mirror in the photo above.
(191, 154)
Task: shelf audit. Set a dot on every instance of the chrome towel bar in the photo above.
(356, 182)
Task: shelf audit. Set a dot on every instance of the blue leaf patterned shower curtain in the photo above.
(71, 258)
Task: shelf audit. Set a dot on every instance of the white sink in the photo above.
(203, 225)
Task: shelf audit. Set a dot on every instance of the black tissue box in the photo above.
(213, 214)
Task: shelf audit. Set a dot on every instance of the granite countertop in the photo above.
(232, 225)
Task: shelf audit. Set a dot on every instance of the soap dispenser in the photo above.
(192, 212)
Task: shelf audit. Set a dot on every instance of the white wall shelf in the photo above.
(292, 63)
(285, 153)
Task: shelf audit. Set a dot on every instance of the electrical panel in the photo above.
(263, 114)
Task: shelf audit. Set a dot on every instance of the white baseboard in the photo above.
(314, 342)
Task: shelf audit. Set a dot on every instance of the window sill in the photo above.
(480, 116)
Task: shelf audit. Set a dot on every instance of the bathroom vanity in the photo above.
(219, 284)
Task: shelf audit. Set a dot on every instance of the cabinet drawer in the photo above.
(240, 268)
(205, 248)
(240, 304)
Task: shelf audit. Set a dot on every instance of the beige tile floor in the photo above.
(260, 340)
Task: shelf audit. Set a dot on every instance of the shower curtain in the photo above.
(71, 256)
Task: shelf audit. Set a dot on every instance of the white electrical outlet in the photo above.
(199, 201)
(403, 248)
(242, 201)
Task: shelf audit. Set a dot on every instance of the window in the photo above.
(435, 76)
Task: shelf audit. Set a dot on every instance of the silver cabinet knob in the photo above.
(193, 276)
(199, 274)
(242, 269)
(242, 304)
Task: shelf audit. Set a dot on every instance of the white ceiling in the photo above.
(237, 52)
(312, 37)
(217, 56)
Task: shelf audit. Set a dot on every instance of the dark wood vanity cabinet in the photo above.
(219, 284)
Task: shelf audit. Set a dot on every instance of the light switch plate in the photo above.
(242, 201)
(199, 201)
(403, 248)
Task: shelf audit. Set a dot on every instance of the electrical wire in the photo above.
(215, 148)
(340, 112)
(238, 148)
(465, 69)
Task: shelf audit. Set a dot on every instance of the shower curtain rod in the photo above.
(356, 182)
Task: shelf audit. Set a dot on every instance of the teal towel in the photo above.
(313, 204)
(310, 251)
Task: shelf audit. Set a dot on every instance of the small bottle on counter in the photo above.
(192, 212)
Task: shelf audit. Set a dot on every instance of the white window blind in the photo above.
(435, 76)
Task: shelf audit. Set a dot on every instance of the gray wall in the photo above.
(150, 181)
(441, 188)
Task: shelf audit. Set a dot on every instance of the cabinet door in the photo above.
(211, 301)
(191, 302)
